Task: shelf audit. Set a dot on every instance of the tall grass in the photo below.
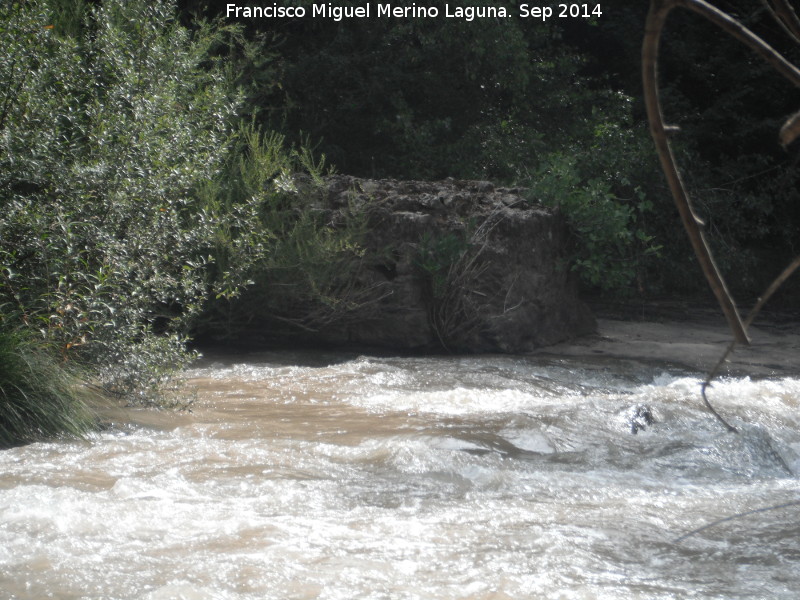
(39, 397)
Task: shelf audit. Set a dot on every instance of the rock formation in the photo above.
(461, 266)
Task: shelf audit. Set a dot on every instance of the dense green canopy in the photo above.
(519, 99)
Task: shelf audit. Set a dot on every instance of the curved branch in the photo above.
(790, 130)
(659, 10)
(744, 35)
(656, 18)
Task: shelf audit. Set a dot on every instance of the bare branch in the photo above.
(785, 274)
(659, 10)
(736, 516)
(656, 19)
(784, 13)
(744, 35)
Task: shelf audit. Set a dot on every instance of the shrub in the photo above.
(105, 138)
(602, 185)
(299, 258)
(449, 264)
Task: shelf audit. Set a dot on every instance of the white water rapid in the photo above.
(313, 476)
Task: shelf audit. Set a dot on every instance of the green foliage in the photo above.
(38, 397)
(423, 98)
(729, 105)
(104, 140)
(68, 17)
(499, 98)
(602, 190)
(300, 264)
(233, 200)
(309, 277)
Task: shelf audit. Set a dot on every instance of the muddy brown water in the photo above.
(307, 475)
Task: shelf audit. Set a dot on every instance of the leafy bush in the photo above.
(420, 98)
(603, 190)
(300, 259)
(104, 140)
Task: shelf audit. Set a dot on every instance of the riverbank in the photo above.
(689, 337)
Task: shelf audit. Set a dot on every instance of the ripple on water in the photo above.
(478, 477)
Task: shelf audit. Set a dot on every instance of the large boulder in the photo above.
(460, 266)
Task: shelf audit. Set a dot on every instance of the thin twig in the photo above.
(785, 274)
(784, 14)
(656, 18)
(679, 539)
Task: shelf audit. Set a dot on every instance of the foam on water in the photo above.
(480, 477)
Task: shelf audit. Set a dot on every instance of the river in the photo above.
(313, 475)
